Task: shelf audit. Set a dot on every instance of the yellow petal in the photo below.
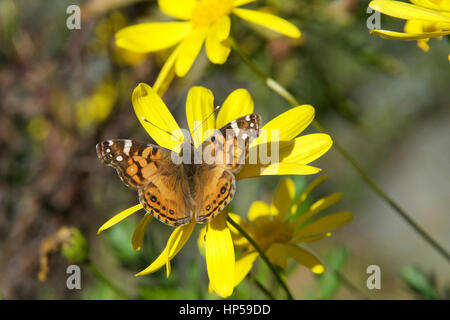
(238, 3)
(324, 224)
(305, 149)
(220, 256)
(306, 258)
(153, 36)
(417, 26)
(238, 103)
(167, 73)
(189, 50)
(407, 11)
(283, 197)
(139, 232)
(314, 184)
(289, 124)
(238, 239)
(257, 210)
(243, 265)
(269, 21)
(201, 238)
(313, 238)
(217, 44)
(293, 156)
(210, 288)
(427, 4)
(392, 35)
(200, 106)
(119, 217)
(177, 9)
(318, 206)
(413, 26)
(239, 220)
(176, 240)
(277, 255)
(283, 168)
(148, 105)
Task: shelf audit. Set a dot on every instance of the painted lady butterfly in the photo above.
(173, 192)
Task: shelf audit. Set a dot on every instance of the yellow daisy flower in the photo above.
(203, 21)
(425, 19)
(294, 155)
(277, 228)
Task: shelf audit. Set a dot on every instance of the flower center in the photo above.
(206, 12)
(269, 231)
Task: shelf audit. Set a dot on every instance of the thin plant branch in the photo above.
(261, 287)
(102, 278)
(284, 93)
(263, 257)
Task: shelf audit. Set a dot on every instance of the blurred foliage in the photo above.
(329, 283)
(423, 285)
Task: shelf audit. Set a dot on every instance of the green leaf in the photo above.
(328, 283)
(419, 283)
(119, 238)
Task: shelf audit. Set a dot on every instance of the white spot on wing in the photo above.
(126, 147)
(119, 158)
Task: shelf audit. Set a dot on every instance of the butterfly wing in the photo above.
(223, 154)
(168, 198)
(135, 162)
(228, 147)
(163, 189)
(214, 189)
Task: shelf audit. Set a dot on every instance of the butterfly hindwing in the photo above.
(167, 197)
(213, 191)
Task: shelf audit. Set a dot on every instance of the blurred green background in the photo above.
(62, 91)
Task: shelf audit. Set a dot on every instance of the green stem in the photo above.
(99, 275)
(261, 287)
(388, 199)
(263, 257)
(284, 93)
(350, 286)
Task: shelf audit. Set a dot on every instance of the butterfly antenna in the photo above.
(169, 133)
(214, 111)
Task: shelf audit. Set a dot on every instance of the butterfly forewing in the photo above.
(135, 162)
(229, 147)
(163, 189)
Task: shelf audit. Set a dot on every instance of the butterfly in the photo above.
(172, 191)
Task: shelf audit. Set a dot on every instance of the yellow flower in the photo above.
(95, 108)
(103, 32)
(203, 21)
(425, 19)
(295, 154)
(278, 228)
